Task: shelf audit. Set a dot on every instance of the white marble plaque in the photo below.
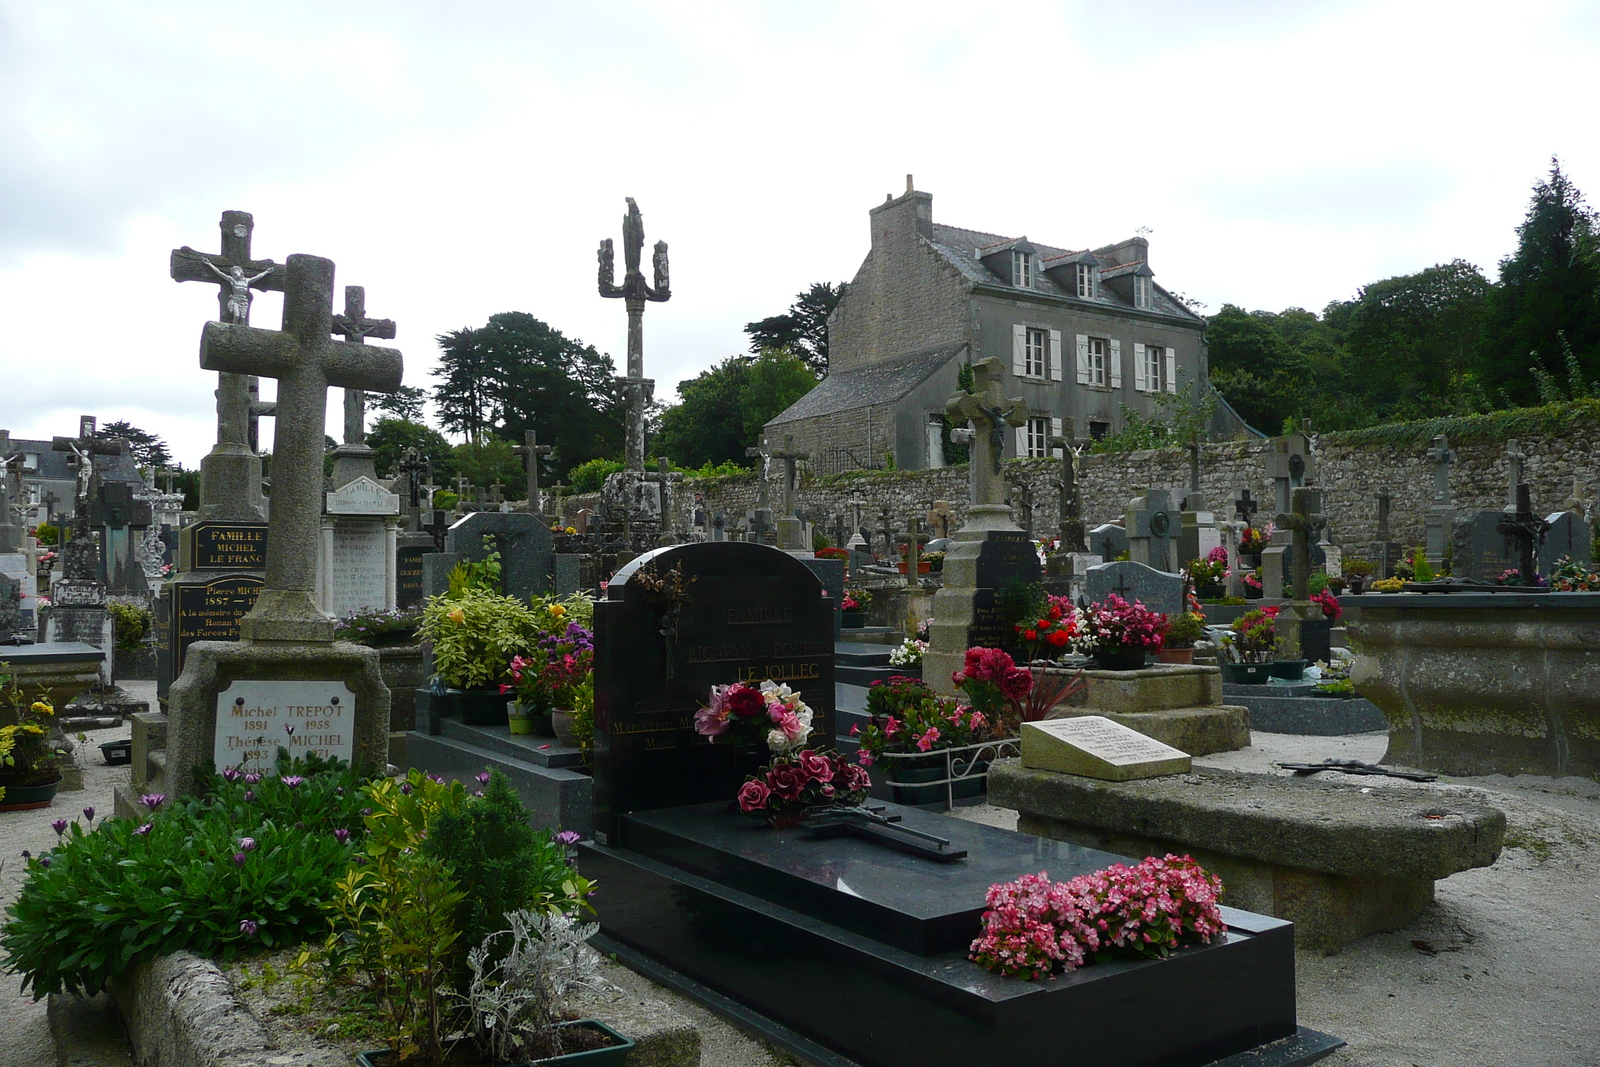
(363, 496)
(1096, 747)
(358, 568)
(252, 721)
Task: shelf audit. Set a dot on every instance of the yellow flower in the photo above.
(572, 529)
(557, 610)
(458, 616)
(41, 708)
(32, 728)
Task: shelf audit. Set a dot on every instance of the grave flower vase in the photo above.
(28, 797)
(479, 707)
(519, 717)
(564, 726)
(1246, 673)
(852, 620)
(1176, 655)
(1290, 670)
(1119, 659)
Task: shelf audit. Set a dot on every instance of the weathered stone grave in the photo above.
(1153, 527)
(1109, 540)
(1156, 590)
(356, 562)
(1095, 747)
(1570, 535)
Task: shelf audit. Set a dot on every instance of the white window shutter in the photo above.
(1055, 431)
(1083, 359)
(1022, 440)
(1141, 374)
(1055, 355)
(1114, 355)
(1172, 369)
(1019, 349)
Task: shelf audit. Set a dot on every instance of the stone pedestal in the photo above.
(794, 535)
(351, 462)
(1177, 704)
(1441, 523)
(1197, 536)
(230, 484)
(1275, 565)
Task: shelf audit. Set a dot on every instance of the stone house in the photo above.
(1084, 333)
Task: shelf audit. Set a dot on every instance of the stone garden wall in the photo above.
(1351, 467)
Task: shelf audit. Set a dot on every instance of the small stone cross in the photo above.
(1246, 508)
(1383, 515)
(531, 451)
(412, 466)
(1305, 522)
(1514, 456)
(306, 361)
(354, 326)
(990, 411)
(839, 530)
(1442, 457)
(1024, 494)
(1070, 507)
(555, 502)
(1527, 530)
(888, 529)
(762, 498)
(462, 484)
(497, 495)
(856, 504)
(790, 458)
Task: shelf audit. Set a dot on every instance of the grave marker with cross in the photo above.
(531, 452)
(353, 459)
(1514, 457)
(306, 361)
(635, 291)
(791, 530)
(1527, 530)
(663, 477)
(857, 531)
(990, 412)
(1153, 527)
(1070, 506)
(1441, 517)
(83, 449)
(888, 529)
(1245, 508)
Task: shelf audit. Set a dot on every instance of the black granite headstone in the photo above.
(524, 542)
(1108, 540)
(1570, 535)
(1480, 551)
(747, 613)
(227, 546)
(199, 611)
(408, 574)
(1006, 557)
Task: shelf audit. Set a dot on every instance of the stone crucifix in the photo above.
(664, 476)
(83, 449)
(763, 500)
(1070, 507)
(1305, 522)
(306, 361)
(790, 460)
(990, 412)
(354, 326)
(1442, 457)
(1527, 530)
(635, 291)
(1514, 457)
(531, 452)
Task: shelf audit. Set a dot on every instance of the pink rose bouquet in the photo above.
(787, 788)
(743, 713)
(1114, 624)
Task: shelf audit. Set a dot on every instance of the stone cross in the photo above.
(1245, 508)
(762, 498)
(1289, 467)
(1024, 494)
(790, 458)
(1070, 507)
(1442, 457)
(1193, 501)
(306, 361)
(635, 291)
(1514, 457)
(1305, 522)
(411, 465)
(839, 530)
(84, 448)
(990, 411)
(913, 552)
(496, 495)
(531, 451)
(354, 326)
(1231, 532)
(1153, 529)
(1527, 530)
(462, 484)
(888, 529)
(664, 477)
(555, 503)
(1383, 515)
(1578, 503)
(941, 518)
(50, 500)
(856, 504)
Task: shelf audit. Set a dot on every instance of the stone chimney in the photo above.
(896, 221)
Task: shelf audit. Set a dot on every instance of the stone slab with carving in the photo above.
(1095, 747)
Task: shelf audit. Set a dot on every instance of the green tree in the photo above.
(516, 373)
(404, 403)
(148, 449)
(803, 329)
(390, 437)
(724, 408)
(492, 460)
(1549, 287)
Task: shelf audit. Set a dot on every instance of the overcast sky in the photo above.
(461, 160)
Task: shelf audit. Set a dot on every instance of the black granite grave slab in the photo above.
(199, 607)
(408, 590)
(863, 950)
(748, 612)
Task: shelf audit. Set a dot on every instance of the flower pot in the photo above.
(1251, 560)
(1175, 655)
(563, 723)
(519, 717)
(1289, 670)
(613, 1055)
(1210, 591)
(1252, 592)
(1358, 583)
(923, 566)
(479, 707)
(28, 797)
(117, 753)
(911, 784)
(852, 620)
(1121, 659)
(1245, 673)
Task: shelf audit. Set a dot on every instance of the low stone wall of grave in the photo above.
(1352, 468)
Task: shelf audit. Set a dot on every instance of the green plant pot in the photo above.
(28, 797)
(480, 707)
(1289, 670)
(613, 1055)
(1210, 591)
(852, 620)
(909, 783)
(1245, 673)
(519, 718)
(1123, 659)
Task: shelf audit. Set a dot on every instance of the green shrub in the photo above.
(46, 534)
(445, 499)
(185, 879)
(132, 624)
(589, 477)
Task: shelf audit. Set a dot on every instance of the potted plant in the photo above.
(1208, 574)
(30, 764)
(935, 561)
(1252, 584)
(853, 609)
(1118, 634)
(1249, 646)
(907, 656)
(546, 680)
(1252, 542)
(1049, 635)
(475, 635)
(911, 730)
(1178, 638)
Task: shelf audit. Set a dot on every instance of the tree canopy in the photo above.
(803, 329)
(390, 437)
(724, 408)
(517, 373)
(404, 403)
(148, 449)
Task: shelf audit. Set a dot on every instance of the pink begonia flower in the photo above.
(925, 742)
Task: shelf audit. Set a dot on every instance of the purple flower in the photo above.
(248, 927)
(44, 861)
(341, 835)
(292, 780)
(26, 854)
(247, 844)
(232, 774)
(144, 829)
(365, 812)
(153, 800)
(251, 778)
(288, 728)
(238, 859)
(477, 792)
(483, 777)
(567, 837)
(249, 795)
(436, 779)
(405, 787)
(88, 813)
(360, 860)
(59, 826)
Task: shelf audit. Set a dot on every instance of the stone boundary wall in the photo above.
(1351, 476)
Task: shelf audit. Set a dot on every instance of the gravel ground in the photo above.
(1501, 970)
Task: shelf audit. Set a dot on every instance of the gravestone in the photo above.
(1481, 551)
(10, 606)
(566, 573)
(356, 562)
(1109, 540)
(1005, 558)
(1153, 527)
(745, 612)
(830, 572)
(253, 719)
(1570, 535)
(78, 606)
(1386, 552)
(1092, 746)
(1156, 590)
(524, 542)
(1441, 517)
(221, 571)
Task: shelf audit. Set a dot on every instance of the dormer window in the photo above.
(1088, 279)
(1021, 269)
(1143, 292)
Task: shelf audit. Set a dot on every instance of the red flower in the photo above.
(746, 702)
(753, 796)
(787, 780)
(1059, 638)
(819, 768)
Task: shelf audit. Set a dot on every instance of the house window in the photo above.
(1097, 361)
(1098, 430)
(1155, 362)
(1022, 270)
(1142, 292)
(1038, 438)
(1036, 353)
(1086, 281)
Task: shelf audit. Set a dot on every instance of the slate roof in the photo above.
(959, 247)
(53, 465)
(879, 383)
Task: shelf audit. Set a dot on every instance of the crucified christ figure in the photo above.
(239, 296)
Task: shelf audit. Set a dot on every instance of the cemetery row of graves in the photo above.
(430, 760)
